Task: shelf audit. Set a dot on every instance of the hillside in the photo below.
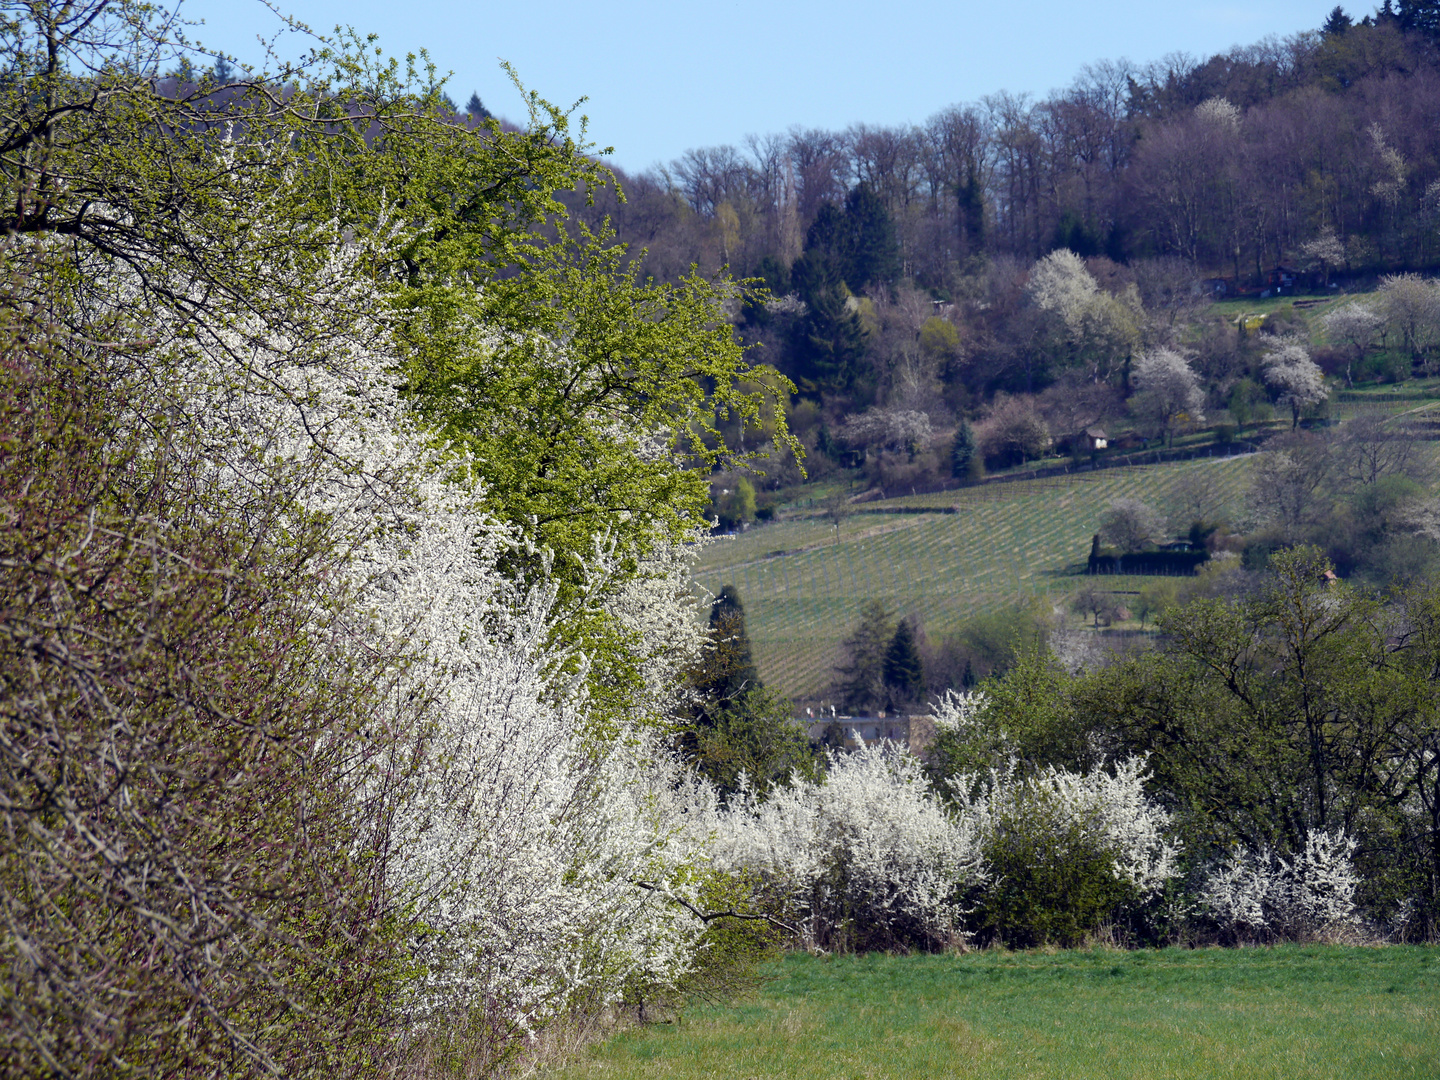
(982, 548)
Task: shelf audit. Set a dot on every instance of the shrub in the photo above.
(189, 881)
(866, 858)
(1264, 895)
(1066, 853)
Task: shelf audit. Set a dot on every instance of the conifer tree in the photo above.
(733, 672)
(861, 683)
(902, 670)
(871, 252)
(962, 457)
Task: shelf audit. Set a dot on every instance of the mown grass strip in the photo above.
(1292, 1012)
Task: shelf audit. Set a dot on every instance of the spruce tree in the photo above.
(962, 455)
(1420, 16)
(861, 683)
(476, 108)
(829, 341)
(733, 671)
(902, 670)
(870, 252)
(1337, 22)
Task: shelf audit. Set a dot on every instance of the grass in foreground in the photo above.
(1291, 1012)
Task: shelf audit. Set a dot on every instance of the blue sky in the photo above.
(662, 77)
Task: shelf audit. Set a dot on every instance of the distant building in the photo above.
(915, 733)
(1096, 439)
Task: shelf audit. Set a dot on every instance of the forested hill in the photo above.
(903, 263)
(1236, 163)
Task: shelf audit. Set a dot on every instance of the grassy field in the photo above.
(1288, 1013)
(1002, 544)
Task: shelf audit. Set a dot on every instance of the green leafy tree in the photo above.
(1297, 707)
(755, 735)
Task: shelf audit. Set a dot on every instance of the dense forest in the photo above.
(897, 261)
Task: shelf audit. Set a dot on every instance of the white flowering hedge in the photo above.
(867, 857)
(1266, 895)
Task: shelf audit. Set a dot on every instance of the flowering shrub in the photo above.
(1266, 895)
(1066, 852)
(325, 723)
(868, 857)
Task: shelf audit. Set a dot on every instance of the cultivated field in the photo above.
(1003, 543)
(1287, 1013)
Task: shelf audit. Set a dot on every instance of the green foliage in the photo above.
(575, 390)
(1300, 706)
(732, 950)
(1031, 705)
(901, 670)
(733, 506)
(1054, 884)
(755, 734)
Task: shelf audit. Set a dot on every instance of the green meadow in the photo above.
(981, 548)
(1287, 1013)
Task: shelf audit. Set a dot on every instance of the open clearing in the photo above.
(1291, 1012)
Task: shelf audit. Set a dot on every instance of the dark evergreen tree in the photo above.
(733, 673)
(902, 671)
(1420, 17)
(962, 454)
(870, 250)
(861, 683)
(826, 234)
(1337, 22)
(970, 207)
(476, 108)
(829, 342)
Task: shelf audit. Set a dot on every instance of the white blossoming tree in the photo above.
(1168, 392)
(1298, 380)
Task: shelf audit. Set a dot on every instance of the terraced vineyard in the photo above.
(982, 548)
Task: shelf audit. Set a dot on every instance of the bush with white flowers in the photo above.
(1267, 895)
(867, 856)
(1067, 851)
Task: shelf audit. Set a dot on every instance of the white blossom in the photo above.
(1311, 893)
(1110, 809)
(870, 845)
